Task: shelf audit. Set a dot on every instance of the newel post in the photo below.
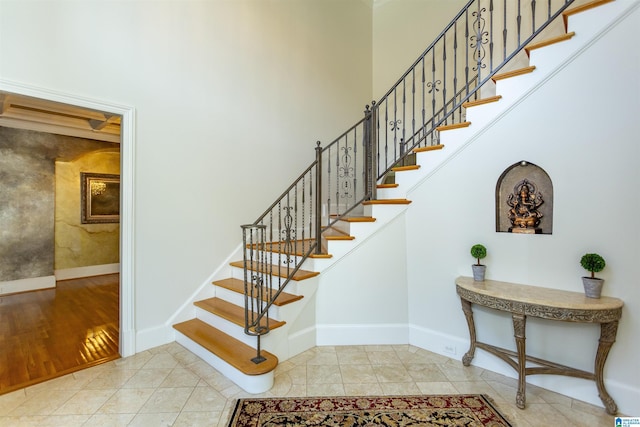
(318, 221)
(371, 148)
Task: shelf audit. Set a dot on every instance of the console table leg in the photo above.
(519, 326)
(468, 314)
(608, 333)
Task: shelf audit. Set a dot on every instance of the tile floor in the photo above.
(170, 386)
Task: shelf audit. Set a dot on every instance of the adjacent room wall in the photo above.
(79, 245)
(33, 193)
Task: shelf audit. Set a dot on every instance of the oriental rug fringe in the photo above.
(472, 410)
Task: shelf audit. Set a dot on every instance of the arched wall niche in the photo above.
(524, 200)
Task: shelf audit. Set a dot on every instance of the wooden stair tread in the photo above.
(387, 202)
(548, 42)
(231, 312)
(481, 101)
(453, 126)
(295, 247)
(234, 352)
(339, 237)
(513, 73)
(237, 285)
(280, 271)
(358, 218)
(428, 148)
(405, 168)
(387, 185)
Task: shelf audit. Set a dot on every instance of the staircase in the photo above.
(230, 332)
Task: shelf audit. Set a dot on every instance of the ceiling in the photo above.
(24, 112)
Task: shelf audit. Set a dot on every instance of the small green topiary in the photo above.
(478, 252)
(593, 263)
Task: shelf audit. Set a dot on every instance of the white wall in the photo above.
(402, 30)
(226, 94)
(582, 128)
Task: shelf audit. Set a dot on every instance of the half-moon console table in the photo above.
(522, 301)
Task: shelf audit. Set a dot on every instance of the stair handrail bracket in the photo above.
(458, 66)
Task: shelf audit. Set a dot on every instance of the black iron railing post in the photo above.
(370, 147)
(318, 220)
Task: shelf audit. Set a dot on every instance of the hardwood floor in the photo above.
(48, 333)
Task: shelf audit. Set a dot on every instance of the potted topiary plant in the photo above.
(478, 251)
(592, 285)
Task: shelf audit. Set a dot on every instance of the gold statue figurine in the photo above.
(524, 204)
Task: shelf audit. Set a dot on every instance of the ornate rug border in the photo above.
(484, 397)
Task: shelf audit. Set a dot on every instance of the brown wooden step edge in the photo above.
(578, 9)
(387, 185)
(237, 285)
(278, 270)
(231, 312)
(481, 101)
(234, 352)
(405, 168)
(428, 148)
(548, 42)
(513, 73)
(453, 126)
(339, 237)
(358, 218)
(387, 202)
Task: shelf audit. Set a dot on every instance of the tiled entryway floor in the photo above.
(170, 386)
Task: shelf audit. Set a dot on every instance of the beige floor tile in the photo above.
(325, 389)
(85, 402)
(45, 402)
(110, 420)
(353, 374)
(391, 373)
(197, 419)
(126, 401)
(323, 374)
(168, 385)
(180, 377)
(204, 399)
(167, 400)
(165, 419)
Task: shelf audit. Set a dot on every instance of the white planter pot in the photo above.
(592, 286)
(478, 272)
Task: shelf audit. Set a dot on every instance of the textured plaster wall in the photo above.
(26, 204)
(27, 198)
(77, 244)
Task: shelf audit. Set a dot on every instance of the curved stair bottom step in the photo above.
(253, 384)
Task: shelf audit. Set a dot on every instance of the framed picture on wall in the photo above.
(100, 198)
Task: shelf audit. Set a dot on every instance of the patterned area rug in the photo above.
(445, 410)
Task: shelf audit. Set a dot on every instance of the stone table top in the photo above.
(536, 295)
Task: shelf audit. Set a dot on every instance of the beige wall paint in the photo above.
(402, 30)
(77, 244)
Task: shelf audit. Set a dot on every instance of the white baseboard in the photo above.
(154, 337)
(25, 285)
(88, 271)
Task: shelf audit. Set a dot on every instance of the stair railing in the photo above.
(481, 40)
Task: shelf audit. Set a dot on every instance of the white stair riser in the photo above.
(237, 332)
(238, 299)
(250, 383)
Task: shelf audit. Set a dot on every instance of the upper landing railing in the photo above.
(483, 38)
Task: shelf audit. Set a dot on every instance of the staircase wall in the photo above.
(580, 126)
